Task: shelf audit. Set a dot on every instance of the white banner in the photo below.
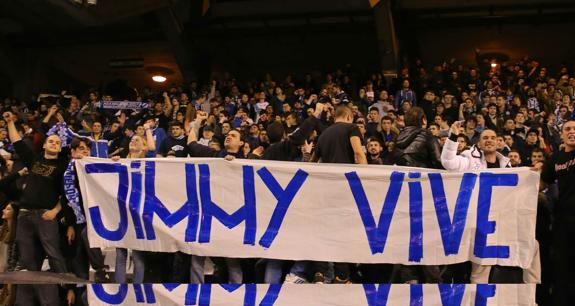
(305, 211)
(292, 295)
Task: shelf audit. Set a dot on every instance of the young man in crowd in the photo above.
(560, 167)
(37, 228)
(482, 156)
(339, 143)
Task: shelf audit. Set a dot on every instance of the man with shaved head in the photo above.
(37, 227)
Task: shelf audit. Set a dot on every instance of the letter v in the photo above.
(452, 231)
(376, 235)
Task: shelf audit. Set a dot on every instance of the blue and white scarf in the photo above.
(72, 193)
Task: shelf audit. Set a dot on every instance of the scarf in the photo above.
(72, 194)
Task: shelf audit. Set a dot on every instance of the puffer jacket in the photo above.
(420, 148)
(472, 159)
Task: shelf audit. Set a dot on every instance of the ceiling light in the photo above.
(159, 78)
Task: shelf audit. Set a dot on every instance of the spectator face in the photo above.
(52, 145)
(514, 159)
(3, 135)
(488, 141)
(492, 111)
(97, 128)
(8, 212)
(81, 151)
(373, 115)
(537, 157)
(501, 101)
(500, 143)
(233, 141)
(136, 144)
(386, 125)
(531, 138)
(510, 125)
(568, 134)
(383, 95)
(438, 120)
(286, 108)
(508, 140)
(177, 131)
(434, 130)
(520, 118)
(180, 117)
(226, 128)
(254, 130)
(361, 128)
(429, 96)
(374, 148)
(140, 131)
(264, 136)
(461, 144)
(405, 84)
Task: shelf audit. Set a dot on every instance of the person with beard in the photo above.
(514, 158)
(374, 150)
(482, 156)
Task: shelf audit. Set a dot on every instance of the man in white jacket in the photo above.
(481, 156)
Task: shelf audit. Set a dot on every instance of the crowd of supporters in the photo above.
(512, 112)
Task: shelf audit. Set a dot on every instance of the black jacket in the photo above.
(420, 148)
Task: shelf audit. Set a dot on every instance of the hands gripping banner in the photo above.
(304, 211)
(282, 295)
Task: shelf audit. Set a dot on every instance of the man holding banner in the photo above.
(484, 155)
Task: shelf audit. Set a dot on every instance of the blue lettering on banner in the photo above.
(95, 214)
(153, 205)
(113, 299)
(485, 227)
(451, 295)
(415, 218)
(484, 292)
(136, 198)
(271, 295)
(376, 234)
(284, 197)
(376, 296)
(416, 295)
(245, 213)
(452, 231)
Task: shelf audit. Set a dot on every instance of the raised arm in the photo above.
(150, 138)
(449, 158)
(12, 131)
(169, 106)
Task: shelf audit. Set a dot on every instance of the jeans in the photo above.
(85, 255)
(139, 266)
(36, 236)
(274, 271)
(45, 295)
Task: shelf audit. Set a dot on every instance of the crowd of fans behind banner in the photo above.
(525, 102)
